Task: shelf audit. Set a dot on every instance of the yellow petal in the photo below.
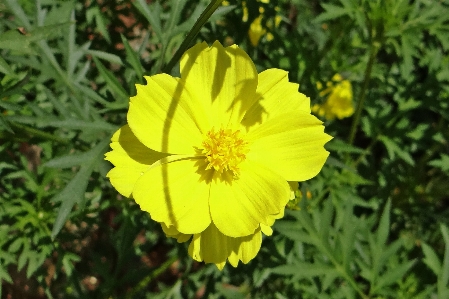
(267, 230)
(195, 248)
(272, 218)
(266, 227)
(276, 96)
(239, 205)
(292, 145)
(249, 247)
(215, 247)
(177, 194)
(165, 118)
(130, 158)
(293, 188)
(211, 246)
(225, 79)
(173, 233)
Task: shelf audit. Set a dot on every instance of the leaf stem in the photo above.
(355, 121)
(204, 17)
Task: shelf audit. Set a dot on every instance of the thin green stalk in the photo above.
(366, 151)
(355, 121)
(144, 282)
(204, 17)
(340, 268)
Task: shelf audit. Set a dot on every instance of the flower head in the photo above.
(339, 99)
(209, 155)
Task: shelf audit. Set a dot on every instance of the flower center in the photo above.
(224, 150)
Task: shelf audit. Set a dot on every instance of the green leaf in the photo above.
(75, 189)
(100, 21)
(388, 252)
(331, 12)
(35, 260)
(16, 244)
(340, 146)
(221, 11)
(57, 103)
(14, 40)
(442, 163)
(105, 56)
(303, 269)
(111, 82)
(133, 58)
(151, 13)
(67, 262)
(16, 8)
(4, 124)
(60, 12)
(293, 231)
(260, 276)
(4, 67)
(348, 237)
(443, 278)
(393, 148)
(23, 257)
(325, 224)
(229, 293)
(98, 98)
(431, 259)
(176, 7)
(407, 51)
(418, 132)
(47, 32)
(384, 226)
(329, 278)
(9, 105)
(409, 104)
(17, 88)
(75, 124)
(68, 161)
(4, 276)
(393, 276)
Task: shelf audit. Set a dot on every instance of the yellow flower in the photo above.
(209, 154)
(339, 99)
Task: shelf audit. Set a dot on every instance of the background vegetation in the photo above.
(372, 224)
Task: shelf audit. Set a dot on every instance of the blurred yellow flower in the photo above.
(339, 99)
(209, 155)
(256, 29)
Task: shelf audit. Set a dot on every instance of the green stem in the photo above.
(366, 151)
(355, 121)
(342, 271)
(144, 282)
(204, 17)
(340, 268)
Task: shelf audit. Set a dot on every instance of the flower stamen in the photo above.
(224, 149)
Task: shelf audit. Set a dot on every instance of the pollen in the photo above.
(224, 149)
